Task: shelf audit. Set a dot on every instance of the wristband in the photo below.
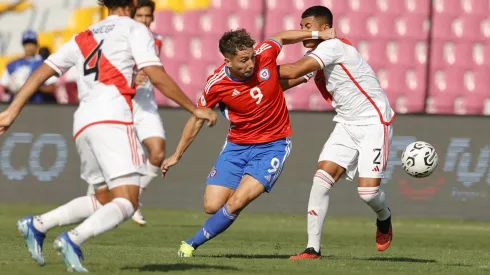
(314, 34)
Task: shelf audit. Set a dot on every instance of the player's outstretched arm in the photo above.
(299, 68)
(35, 80)
(166, 85)
(292, 37)
(290, 83)
(191, 129)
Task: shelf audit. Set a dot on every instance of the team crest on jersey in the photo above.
(264, 74)
(213, 173)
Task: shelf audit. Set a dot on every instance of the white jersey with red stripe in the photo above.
(351, 84)
(106, 55)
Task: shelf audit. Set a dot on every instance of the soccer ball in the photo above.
(419, 159)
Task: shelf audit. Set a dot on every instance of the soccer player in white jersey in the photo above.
(361, 138)
(111, 158)
(147, 122)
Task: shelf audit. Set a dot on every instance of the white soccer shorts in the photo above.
(147, 121)
(359, 147)
(109, 151)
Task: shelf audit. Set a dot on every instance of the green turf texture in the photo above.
(259, 244)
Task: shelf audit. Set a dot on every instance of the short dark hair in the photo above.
(233, 41)
(111, 4)
(144, 3)
(319, 12)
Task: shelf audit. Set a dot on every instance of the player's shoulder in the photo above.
(215, 79)
(266, 45)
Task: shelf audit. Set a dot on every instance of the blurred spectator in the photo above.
(17, 71)
(44, 52)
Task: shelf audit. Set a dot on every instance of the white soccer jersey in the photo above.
(146, 89)
(106, 55)
(351, 83)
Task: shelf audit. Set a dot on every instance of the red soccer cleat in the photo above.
(383, 240)
(308, 254)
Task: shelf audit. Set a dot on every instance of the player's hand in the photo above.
(141, 78)
(171, 161)
(327, 34)
(206, 114)
(6, 119)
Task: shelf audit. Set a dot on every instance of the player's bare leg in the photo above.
(156, 154)
(325, 177)
(248, 190)
(215, 196)
(370, 192)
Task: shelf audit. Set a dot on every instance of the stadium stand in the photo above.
(430, 56)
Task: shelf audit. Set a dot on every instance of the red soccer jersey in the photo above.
(256, 108)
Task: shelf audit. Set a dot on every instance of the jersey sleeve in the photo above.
(64, 58)
(269, 48)
(142, 45)
(328, 52)
(209, 99)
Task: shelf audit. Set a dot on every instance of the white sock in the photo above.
(106, 218)
(318, 207)
(376, 199)
(152, 173)
(73, 212)
(141, 192)
(90, 190)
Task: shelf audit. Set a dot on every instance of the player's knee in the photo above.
(332, 168)
(211, 207)
(368, 194)
(236, 204)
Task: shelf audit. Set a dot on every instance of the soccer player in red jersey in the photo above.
(250, 95)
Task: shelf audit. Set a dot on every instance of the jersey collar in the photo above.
(234, 79)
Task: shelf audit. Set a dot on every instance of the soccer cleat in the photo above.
(308, 254)
(384, 234)
(138, 218)
(34, 238)
(71, 253)
(186, 250)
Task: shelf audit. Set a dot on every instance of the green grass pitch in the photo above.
(260, 244)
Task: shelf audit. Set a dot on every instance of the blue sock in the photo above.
(215, 225)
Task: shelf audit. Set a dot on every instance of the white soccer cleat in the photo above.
(138, 218)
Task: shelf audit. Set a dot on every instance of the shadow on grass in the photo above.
(177, 267)
(248, 256)
(397, 259)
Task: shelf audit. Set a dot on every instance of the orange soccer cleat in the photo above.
(308, 254)
(384, 234)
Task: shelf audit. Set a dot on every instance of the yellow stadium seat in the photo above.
(196, 4)
(46, 39)
(24, 6)
(81, 19)
(16, 7)
(182, 5)
(3, 63)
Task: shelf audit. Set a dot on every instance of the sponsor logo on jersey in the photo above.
(264, 74)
